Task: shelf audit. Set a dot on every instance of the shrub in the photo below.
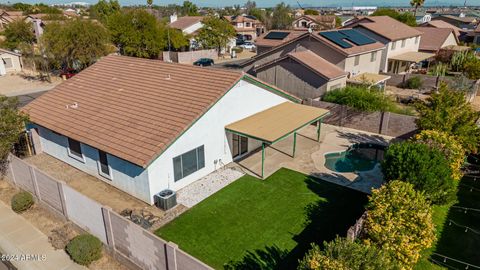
(399, 221)
(345, 254)
(361, 98)
(449, 111)
(472, 69)
(448, 145)
(237, 50)
(414, 83)
(84, 249)
(424, 167)
(22, 201)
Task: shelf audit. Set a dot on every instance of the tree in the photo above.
(103, 9)
(18, 32)
(215, 33)
(137, 33)
(472, 69)
(416, 4)
(425, 168)
(75, 43)
(399, 221)
(249, 6)
(175, 38)
(189, 9)
(281, 18)
(448, 111)
(345, 254)
(12, 123)
(405, 18)
(448, 145)
(149, 3)
(311, 12)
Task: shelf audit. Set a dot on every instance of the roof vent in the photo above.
(73, 106)
(168, 77)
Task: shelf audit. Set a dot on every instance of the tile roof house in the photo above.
(400, 40)
(246, 26)
(187, 24)
(458, 21)
(434, 39)
(144, 132)
(7, 17)
(442, 24)
(315, 22)
(10, 62)
(328, 54)
(264, 43)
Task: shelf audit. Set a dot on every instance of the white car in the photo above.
(248, 46)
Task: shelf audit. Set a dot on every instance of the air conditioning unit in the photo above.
(165, 199)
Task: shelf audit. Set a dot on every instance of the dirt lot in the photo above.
(58, 230)
(17, 84)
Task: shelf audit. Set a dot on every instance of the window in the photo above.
(357, 60)
(8, 62)
(394, 44)
(188, 163)
(373, 57)
(416, 40)
(75, 149)
(247, 24)
(403, 43)
(103, 166)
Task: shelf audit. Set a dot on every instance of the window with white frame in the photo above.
(8, 62)
(188, 163)
(357, 60)
(75, 149)
(373, 57)
(403, 43)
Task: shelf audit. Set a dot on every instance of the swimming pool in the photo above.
(358, 157)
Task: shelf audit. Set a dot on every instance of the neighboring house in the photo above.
(274, 38)
(315, 22)
(187, 24)
(7, 17)
(460, 21)
(246, 26)
(10, 62)
(303, 73)
(351, 51)
(442, 24)
(434, 39)
(144, 132)
(38, 23)
(401, 42)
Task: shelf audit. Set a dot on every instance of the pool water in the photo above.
(358, 157)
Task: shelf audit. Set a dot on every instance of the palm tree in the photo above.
(149, 3)
(416, 4)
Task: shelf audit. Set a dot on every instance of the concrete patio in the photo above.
(310, 156)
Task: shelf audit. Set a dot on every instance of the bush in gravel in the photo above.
(22, 201)
(85, 249)
(414, 83)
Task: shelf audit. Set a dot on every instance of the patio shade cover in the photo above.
(277, 122)
(413, 57)
(369, 78)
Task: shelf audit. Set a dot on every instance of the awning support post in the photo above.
(294, 143)
(319, 124)
(263, 157)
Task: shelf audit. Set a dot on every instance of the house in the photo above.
(274, 38)
(7, 17)
(246, 26)
(460, 21)
(352, 52)
(315, 22)
(434, 39)
(401, 42)
(144, 132)
(187, 24)
(303, 73)
(10, 62)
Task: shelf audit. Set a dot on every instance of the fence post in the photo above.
(62, 197)
(107, 222)
(11, 169)
(171, 255)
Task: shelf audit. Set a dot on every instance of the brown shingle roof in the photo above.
(433, 38)
(460, 19)
(318, 64)
(443, 24)
(322, 18)
(129, 107)
(388, 27)
(292, 34)
(185, 22)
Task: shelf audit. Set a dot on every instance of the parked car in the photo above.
(204, 62)
(239, 42)
(67, 73)
(248, 46)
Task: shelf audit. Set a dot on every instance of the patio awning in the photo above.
(369, 78)
(277, 122)
(412, 57)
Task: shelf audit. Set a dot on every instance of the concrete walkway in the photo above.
(20, 238)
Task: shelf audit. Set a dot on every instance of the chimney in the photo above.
(173, 18)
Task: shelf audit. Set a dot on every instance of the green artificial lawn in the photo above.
(453, 241)
(275, 219)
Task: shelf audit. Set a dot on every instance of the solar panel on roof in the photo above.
(276, 35)
(356, 37)
(337, 38)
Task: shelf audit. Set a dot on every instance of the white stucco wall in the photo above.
(124, 175)
(365, 64)
(451, 40)
(243, 100)
(192, 28)
(16, 62)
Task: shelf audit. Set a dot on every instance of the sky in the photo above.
(268, 3)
